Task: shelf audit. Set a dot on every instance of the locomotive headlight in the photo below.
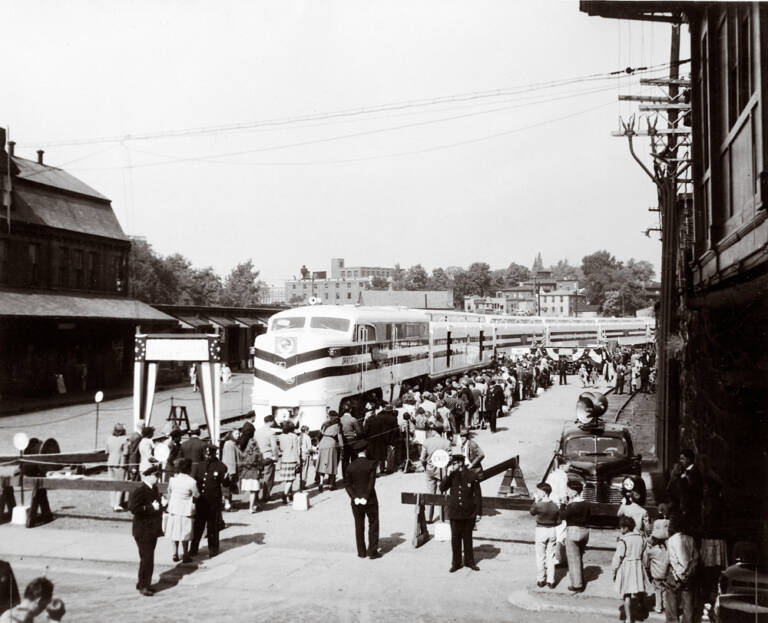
(285, 346)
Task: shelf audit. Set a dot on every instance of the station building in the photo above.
(713, 310)
(66, 321)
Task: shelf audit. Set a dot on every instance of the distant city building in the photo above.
(272, 295)
(561, 303)
(413, 299)
(328, 291)
(485, 305)
(339, 271)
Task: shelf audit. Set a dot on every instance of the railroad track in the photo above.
(620, 411)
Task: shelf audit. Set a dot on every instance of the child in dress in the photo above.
(656, 562)
(629, 576)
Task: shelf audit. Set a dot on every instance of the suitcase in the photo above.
(300, 501)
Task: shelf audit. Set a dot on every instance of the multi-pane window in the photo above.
(63, 280)
(34, 263)
(93, 267)
(78, 268)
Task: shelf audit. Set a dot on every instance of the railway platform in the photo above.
(284, 565)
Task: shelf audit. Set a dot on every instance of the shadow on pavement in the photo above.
(591, 573)
(241, 539)
(485, 552)
(388, 543)
(169, 579)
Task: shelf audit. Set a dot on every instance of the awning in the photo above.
(222, 321)
(32, 305)
(193, 321)
(251, 322)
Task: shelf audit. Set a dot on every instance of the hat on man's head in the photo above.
(195, 431)
(153, 469)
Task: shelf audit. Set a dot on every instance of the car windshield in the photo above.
(612, 446)
(579, 446)
(287, 322)
(332, 324)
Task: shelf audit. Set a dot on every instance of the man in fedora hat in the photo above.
(144, 503)
(194, 450)
(118, 449)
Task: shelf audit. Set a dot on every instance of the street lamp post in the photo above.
(20, 442)
(97, 399)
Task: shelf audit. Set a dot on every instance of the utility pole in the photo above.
(668, 173)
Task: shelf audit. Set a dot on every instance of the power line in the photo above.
(213, 157)
(350, 112)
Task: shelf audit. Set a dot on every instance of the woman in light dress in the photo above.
(328, 450)
(629, 577)
(230, 456)
(288, 445)
(182, 491)
(146, 448)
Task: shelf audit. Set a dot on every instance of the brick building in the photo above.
(65, 319)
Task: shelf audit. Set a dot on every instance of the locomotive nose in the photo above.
(285, 346)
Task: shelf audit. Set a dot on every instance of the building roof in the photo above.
(38, 305)
(54, 177)
(43, 206)
(414, 299)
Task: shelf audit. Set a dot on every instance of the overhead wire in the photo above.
(398, 105)
(214, 157)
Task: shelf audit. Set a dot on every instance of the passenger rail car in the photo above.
(312, 358)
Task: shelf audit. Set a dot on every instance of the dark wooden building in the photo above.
(714, 307)
(66, 323)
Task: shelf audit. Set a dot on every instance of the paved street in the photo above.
(302, 566)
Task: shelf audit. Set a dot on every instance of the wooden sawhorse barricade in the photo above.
(40, 510)
(513, 495)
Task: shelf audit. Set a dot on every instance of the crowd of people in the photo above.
(677, 558)
(36, 604)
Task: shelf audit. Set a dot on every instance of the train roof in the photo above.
(357, 313)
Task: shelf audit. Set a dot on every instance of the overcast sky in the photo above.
(359, 166)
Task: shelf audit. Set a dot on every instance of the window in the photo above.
(34, 263)
(338, 296)
(63, 267)
(78, 268)
(287, 322)
(93, 274)
(3, 260)
(349, 295)
(331, 324)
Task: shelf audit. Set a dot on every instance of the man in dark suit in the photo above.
(464, 505)
(562, 371)
(381, 431)
(194, 450)
(361, 479)
(494, 403)
(144, 503)
(212, 475)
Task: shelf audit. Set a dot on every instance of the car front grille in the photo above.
(601, 492)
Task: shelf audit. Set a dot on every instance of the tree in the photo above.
(242, 287)
(641, 270)
(296, 300)
(203, 287)
(440, 280)
(398, 278)
(416, 278)
(476, 280)
(142, 276)
(538, 264)
(599, 270)
(516, 273)
(563, 271)
(379, 283)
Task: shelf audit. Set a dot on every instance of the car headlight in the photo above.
(628, 484)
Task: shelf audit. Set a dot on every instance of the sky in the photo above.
(436, 132)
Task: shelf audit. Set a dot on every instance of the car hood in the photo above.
(601, 466)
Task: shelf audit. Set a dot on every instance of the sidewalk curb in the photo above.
(531, 600)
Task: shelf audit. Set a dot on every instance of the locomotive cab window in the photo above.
(331, 324)
(287, 322)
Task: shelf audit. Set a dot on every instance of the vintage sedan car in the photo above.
(602, 457)
(742, 594)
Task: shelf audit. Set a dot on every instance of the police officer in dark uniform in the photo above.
(144, 503)
(464, 505)
(211, 477)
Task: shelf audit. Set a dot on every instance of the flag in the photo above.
(7, 190)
